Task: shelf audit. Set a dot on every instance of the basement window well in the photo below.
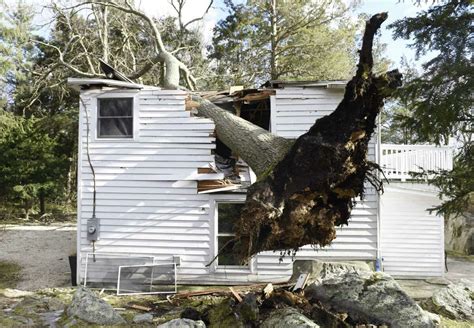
(227, 215)
(115, 117)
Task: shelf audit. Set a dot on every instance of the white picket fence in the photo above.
(397, 161)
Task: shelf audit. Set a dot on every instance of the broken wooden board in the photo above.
(301, 282)
(236, 295)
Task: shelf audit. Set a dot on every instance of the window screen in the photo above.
(227, 215)
(115, 118)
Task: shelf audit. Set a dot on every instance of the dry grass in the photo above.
(448, 323)
(9, 274)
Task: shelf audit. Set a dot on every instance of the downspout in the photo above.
(93, 222)
(379, 258)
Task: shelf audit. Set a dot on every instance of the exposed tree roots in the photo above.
(312, 190)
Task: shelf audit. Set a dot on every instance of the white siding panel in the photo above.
(412, 240)
(294, 111)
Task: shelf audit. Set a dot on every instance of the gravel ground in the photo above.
(41, 251)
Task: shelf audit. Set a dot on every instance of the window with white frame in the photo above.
(227, 215)
(115, 117)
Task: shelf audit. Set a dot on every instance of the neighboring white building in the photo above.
(150, 155)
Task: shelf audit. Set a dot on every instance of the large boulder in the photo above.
(87, 306)
(183, 323)
(317, 269)
(248, 309)
(453, 301)
(370, 297)
(459, 232)
(143, 318)
(288, 318)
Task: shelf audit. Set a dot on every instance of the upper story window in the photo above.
(115, 118)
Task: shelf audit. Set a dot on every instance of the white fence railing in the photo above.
(397, 161)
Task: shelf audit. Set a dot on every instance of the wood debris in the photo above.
(301, 282)
(268, 290)
(236, 295)
(139, 307)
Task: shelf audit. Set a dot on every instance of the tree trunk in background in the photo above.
(273, 44)
(42, 201)
(306, 188)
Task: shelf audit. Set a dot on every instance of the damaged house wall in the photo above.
(147, 200)
(147, 192)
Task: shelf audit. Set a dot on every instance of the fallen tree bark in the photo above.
(260, 149)
(306, 188)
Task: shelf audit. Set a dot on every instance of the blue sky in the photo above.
(396, 9)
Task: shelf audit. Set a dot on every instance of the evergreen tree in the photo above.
(440, 99)
(269, 39)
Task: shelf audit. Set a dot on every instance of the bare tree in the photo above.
(178, 6)
(174, 68)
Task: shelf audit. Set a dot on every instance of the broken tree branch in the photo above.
(175, 69)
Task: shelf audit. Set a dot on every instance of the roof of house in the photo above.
(333, 84)
(80, 83)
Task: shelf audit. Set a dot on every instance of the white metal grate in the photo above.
(101, 269)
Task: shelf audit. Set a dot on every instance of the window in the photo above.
(115, 118)
(227, 215)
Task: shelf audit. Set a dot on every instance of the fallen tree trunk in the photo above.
(306, 188)
(260, 149)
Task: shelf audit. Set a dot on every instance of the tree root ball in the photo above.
(311, 190)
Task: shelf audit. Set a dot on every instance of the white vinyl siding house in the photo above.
(148, 205)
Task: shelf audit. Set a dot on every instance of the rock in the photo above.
(318, 269)
(459, 231)
(248, 309)
(183, 323)
(288, 318)
(438, 281)
(453, 301)
(54, 304)
(71, 323)
(327, 319)
(88, 307)
(26, 322)
(143, 318)
(50, 318)
(434, 317)
(369, 297)
(15, 293)
(166, 315)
